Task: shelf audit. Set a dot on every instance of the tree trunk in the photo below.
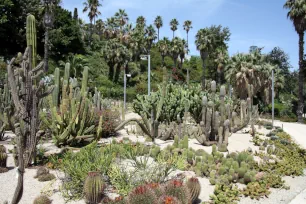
(163, 60)
(173, 35)
(46, 66)
(157, 34)
(203, 74)
(300, 109)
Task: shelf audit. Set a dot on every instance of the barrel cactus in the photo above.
(168, 200)
(93, 187)
(42, 199)
(3, 158)
(142, 194)
(177, 189)
(194, 187)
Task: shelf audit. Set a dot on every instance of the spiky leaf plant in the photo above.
(93, 187)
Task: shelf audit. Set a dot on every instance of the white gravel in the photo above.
(237, 142)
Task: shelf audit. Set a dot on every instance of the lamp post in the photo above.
(148, 57)
(124, 94)
(272, 98)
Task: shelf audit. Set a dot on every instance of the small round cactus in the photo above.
(177, 189)
(168, 200)
(194, 188)
(42, 199)
(41, 171)
(46, 177)
(93, 187)
(142, 194)
(157, 188)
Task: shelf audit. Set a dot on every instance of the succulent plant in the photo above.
(177, 189)
(222, 148)
(185, 142)
(176, 141)
(42, 199)
(256, 190)
(194, 188)
(142, 194)
(155, 151)
(93, 187)
(262, 148)
(46, 177)
(168, 200)
(41, 171)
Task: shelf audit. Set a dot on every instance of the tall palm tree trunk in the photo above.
(46, 50)
(173, 35)
(187, 54)
(203, 74)
(157, 34)
(300, 109)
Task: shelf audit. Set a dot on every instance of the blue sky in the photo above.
(262, 23)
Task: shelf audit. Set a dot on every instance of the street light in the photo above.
(124, 94)
(148, 57)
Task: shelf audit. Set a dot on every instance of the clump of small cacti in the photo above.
(177, 189)
(93, 188)
(42, 199)
(168, 200)
(194, 188)
(155, 151)
(2, 148)
(270, 149)
(185, 142)
(142, 194)
(256, 190)
(46, 177)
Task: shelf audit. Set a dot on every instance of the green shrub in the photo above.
(46, 177)
(76, 166)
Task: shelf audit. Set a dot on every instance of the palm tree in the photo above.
(187, 26)
(141, 21)
(122, 18)
(297, 14)
(204, 43)
(173, 25)
(100, 27)
(221, 61)
(150, 37)
(158, 22)
(175, 49)
(164, 48)
(183, 51)
(92, 7)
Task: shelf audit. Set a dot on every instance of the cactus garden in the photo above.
(107, 110)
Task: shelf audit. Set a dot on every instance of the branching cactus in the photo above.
(72, 120)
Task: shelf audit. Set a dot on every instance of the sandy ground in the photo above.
(237, 142)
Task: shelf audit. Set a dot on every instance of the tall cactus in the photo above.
(72, 120)
(31, 37)
(55, 92)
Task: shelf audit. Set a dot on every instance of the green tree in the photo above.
(92, 7)
(173, 25)
(297, 14)
(158, 22)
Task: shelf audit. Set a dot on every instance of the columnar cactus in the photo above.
(93, 188)
(31, 37)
